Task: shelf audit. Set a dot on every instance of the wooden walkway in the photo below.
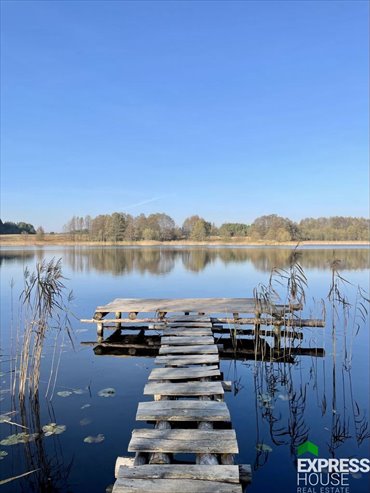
(190, 417)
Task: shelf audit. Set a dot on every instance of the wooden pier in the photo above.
(188, 393)
(138, 323)
(187, 337)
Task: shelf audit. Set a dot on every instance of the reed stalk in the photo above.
(45, 307)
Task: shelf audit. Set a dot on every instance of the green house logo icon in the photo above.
(308, 447)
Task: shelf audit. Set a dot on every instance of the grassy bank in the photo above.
(63, 239)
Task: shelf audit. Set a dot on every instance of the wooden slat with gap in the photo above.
(184, 441)
(224, 474)
(123, 485)
(184, 389)
(187, 340)
(186, 360)
(184, 373)
(183, 410)
(199, 349)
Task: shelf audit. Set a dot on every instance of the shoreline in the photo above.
(58, 240)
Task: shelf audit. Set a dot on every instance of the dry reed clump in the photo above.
(45, 307)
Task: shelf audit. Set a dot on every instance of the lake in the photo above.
(274, 406)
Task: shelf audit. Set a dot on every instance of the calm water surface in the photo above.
(274, 406)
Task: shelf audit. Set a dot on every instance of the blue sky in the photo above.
(226, 109)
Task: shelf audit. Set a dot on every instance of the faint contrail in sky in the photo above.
(148, 201)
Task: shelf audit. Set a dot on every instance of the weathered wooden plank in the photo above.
(239, 323)
(180, 305)
(184, 373)
(187, 332)
(225, 474)
(184, 389)
(124, 485)
(184, 441)
(188, 318)
(191, 359)
(199, 325)
(186, 340)
(183, 410)
(200, 349)
(123, 461)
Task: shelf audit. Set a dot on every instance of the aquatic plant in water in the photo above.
(108, 392)
(53, 429)
(95, 439)
(64, 393)
(19, 438)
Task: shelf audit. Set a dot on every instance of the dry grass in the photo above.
(44, 303)
(65, 239)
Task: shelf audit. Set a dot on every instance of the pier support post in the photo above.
(118, 315)
(100, 331)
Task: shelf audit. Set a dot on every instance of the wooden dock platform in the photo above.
(121, 313)
(188, 400)
(188, 410)
(275, 328)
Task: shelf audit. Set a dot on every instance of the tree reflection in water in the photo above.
(158, 261)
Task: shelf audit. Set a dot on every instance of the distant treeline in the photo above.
(120, 226)
(9, 228)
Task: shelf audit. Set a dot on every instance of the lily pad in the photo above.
(97, 439)
(85, 406)
(85, 421)
(19, 438)
(53, 429)
(79, 391)
(3, 454)
(262, 447)
(64, 393)
(108, 392)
